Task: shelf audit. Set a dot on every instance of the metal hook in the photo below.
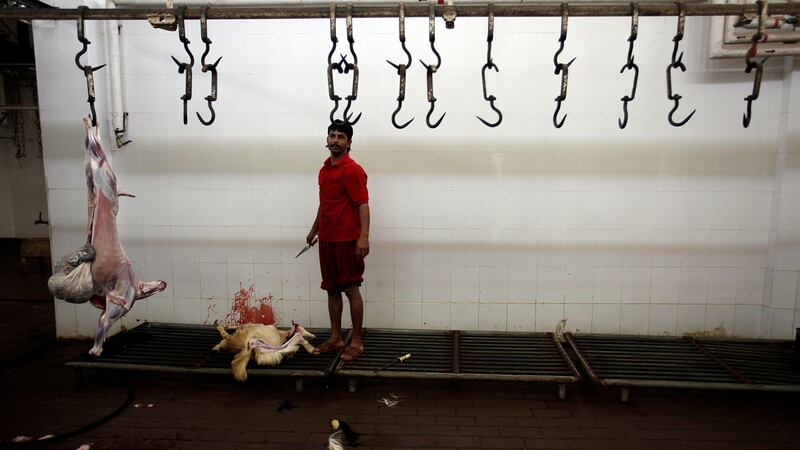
(758, 66)
(432, 68)
(185, 67)
(88, 71)
(208, 68)
(343, 66)
(561, 68)
(401, 69)
(490, 65)
(630, 65)
(354, 67)
(677, 63)
(331, 65)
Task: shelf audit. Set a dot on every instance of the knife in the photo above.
(305, 249)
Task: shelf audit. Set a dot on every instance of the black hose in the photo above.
(130, 392)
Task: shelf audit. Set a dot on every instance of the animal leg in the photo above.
(111, 314)
(239, 364)
(148, 288)
(307, 345)
(225, 336)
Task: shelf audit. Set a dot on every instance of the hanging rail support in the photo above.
(432, 68)
(630, 65)
(88, 71)
(677, 63)
(757, 65)
(401, 69)
(562, 68)
(490, 65)
(208, 68)
(185, 68)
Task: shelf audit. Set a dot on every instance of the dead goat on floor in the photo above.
(266, 343)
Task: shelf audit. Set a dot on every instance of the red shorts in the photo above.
(340, 266)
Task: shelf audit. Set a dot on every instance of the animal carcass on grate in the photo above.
(266, 343)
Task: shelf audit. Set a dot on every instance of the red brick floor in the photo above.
(190, 412)
(39, 397)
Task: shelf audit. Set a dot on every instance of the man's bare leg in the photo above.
(335, 314)
(356, 315)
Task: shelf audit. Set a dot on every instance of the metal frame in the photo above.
(117, 346)
(727, 42)
(740, 381)
(468, 350)
(322, 10)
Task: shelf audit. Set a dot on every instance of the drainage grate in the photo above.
(464, 355)
(431, 354)
(685, 362)
(516, 356)
(165, 347)
(767, 362)
(647, 361)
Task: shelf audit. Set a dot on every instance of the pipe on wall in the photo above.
(115, 75)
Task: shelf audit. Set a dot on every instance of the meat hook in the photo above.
(185, 67)
(490, 65)
(677, 64)
(758, 66)
(630, 65)
(351, 67)
(88, 71)
(431, 69)
(401, 70)
(208, 68)
(331, 65)
(562, 68)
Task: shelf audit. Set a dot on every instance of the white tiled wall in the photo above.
(651, 229)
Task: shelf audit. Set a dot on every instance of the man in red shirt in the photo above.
(342, 227)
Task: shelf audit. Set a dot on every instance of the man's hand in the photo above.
(311, 239)
(362, 247)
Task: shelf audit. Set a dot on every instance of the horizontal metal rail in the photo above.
(322, 10)
(18, 108)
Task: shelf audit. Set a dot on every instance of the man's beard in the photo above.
(335, 149)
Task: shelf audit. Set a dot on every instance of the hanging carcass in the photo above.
(100, 271)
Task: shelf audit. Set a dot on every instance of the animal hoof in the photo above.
(96, 351)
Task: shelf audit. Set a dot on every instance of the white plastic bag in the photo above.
(75, 286)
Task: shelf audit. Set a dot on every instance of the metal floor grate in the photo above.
(764, 362)
(431, 354)
(166, 347)
(520, 356)
(462, 355)
(684, 362)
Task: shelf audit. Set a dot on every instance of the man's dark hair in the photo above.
(344, 127)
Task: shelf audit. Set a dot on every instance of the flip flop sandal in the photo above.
(351, 353)
(327, 348)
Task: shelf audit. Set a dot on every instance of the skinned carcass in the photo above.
(100, 271)
(268, 344)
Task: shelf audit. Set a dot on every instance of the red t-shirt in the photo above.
(342, 189)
